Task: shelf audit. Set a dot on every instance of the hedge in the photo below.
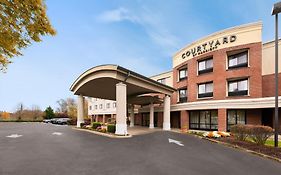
(258, 133)
(111, 128)
(96, 124)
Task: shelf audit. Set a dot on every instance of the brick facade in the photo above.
(222, 118)
(268, 85)
(184, 120)
(220, 74)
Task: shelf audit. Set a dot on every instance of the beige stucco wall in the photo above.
(245, 34)
(167, 75)
(268, 58)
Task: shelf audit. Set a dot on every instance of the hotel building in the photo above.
(220, 80)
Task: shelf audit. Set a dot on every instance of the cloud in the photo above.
(117, 15)
(150, 21)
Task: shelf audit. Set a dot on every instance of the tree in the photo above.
(49, 113)
(21, 23)
(36, 112)
(67, 106)
(62, 106)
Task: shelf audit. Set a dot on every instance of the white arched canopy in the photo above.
(114, 82)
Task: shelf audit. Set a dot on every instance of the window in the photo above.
(205, 66)
(235, 117)
(182, 95)
(182, 74)
(114, 105)
(238, 87)
(238, 60)
(90, 107)
(204, 120)
(162, 80)
(96, 106)
(205, 90)
(100, 106)
(108, 105)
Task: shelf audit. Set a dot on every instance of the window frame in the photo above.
(236, 56)
(182, 99)
(100, 106)
(229, 125)
(206, 70)
(238, 92)
(206, 94)
(182, 69)
(210, 120)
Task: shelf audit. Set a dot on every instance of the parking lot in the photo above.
(38, 148)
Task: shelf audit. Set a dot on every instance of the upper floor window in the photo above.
(100, 106)
(96, 106)
(205, 66)
(114, 105)
(182, 74)
(238, 87)
(182, 95)
(90, 107)
(162, 80)
(108, 105)
(238, 60)
(205, 90)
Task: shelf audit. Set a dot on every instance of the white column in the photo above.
(166, 117)
(80, 110)
(132, 116)
(151, 116)
(121, 109)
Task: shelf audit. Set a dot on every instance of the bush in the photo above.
(240, 131)
(259, 134)
(95, 125)
(72, 122)
(87, 121)
(111, 128)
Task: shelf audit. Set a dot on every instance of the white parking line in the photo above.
(14, 136)
(175, 142)
(57, 133)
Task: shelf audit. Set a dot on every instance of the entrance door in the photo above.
(155, 119)
(145, 119)
(267, 117)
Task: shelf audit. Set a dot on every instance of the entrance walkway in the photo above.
(141, 130)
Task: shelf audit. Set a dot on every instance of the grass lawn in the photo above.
(271, 143)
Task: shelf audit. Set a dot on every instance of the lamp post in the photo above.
(275, 10)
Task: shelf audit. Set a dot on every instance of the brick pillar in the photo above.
(222, 119)
(184, 121)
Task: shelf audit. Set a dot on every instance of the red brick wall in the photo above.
(184, 120)
(220, 75)
(222, 119)
(160, 119)
(268, 85)
(254, 116)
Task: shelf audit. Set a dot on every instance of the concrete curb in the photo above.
(238, 147)
(103, 134)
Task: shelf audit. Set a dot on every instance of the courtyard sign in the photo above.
(209, 46)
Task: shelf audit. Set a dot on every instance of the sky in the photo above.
(141, 35)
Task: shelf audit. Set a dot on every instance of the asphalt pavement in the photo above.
(46, 149)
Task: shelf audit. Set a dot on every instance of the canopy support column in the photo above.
(132, 116)
(166, 117)
(121, 109)
(151, 116)
(80, 110)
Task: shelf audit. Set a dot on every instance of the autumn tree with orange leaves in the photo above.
(21, 23)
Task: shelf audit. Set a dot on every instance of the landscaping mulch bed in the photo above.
(267, 150)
